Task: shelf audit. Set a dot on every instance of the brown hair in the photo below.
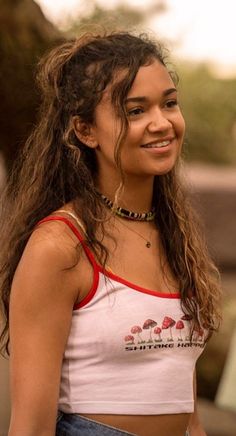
(56, 167)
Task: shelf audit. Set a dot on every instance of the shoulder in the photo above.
(52, 243)
(48, 266)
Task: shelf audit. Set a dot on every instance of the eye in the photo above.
(135, 111)
(171, 103)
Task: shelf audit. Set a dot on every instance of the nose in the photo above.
(158, 121)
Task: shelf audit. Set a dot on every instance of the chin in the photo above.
(163, 171)
(165, 168)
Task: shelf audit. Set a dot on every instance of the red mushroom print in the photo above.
(199, 334)
(187, 317)
(168, 323)
(149, 324)
(136, 330)
(179, 326)
(157, 331)
(129, 339)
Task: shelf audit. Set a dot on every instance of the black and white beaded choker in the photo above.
(124, 213)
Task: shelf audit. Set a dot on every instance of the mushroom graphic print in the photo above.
(179, 326)
(129, 339)
(157, 331)
(198, 334)
(156, 339)
(149, 324)
(136, 330)
(187, 317)
(168, 323)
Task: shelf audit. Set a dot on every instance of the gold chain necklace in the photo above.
(148, 242)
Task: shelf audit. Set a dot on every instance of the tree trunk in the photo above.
(25, 34)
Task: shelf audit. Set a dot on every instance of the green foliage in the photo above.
(208, 104)
(122, 17)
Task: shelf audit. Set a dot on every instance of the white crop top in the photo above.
(128, 350)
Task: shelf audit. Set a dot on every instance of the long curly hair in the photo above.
(56, 168)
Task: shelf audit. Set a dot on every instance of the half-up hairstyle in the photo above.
(56, 167)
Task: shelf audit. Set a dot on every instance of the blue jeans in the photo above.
(76, 425)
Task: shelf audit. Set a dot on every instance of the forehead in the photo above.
(153, 78)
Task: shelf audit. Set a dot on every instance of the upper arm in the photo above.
(42, 297)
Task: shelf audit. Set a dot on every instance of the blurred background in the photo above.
(201, 39)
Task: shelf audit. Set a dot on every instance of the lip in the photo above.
(166, 149)
(158, 141)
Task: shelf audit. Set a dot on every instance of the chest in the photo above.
(122, 321)
(146, 265)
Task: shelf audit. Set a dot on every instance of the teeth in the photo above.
(158, 144)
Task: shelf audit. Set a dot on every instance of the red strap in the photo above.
(75, 231)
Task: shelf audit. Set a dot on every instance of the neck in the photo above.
(134, 195)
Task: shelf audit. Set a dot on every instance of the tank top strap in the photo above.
(79, 222)
(74, 229)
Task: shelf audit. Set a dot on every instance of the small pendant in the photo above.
(148, 244)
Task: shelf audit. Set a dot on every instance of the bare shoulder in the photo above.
(49, 264)
(53, 242)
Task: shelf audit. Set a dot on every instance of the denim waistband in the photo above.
(74, 425)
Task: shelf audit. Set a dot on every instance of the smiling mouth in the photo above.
(157, 144)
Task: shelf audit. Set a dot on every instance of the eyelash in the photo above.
(136, 111)
(171, 103)
(133, 112)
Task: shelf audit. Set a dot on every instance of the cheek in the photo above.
(107, 136)
(180, 127)
(182, 124)
(136, 130)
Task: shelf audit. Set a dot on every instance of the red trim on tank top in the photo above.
(92, 291)
(97, 268)
(88, 253)
(137, 287)
(75, 231)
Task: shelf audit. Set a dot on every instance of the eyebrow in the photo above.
(143, 99)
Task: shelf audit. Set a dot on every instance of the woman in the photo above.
(110, 289)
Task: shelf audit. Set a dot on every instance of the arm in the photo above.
(195, 427)
(42, 297)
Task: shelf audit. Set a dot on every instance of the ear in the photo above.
(84, 132)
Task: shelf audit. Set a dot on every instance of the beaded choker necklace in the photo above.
(124, 213)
